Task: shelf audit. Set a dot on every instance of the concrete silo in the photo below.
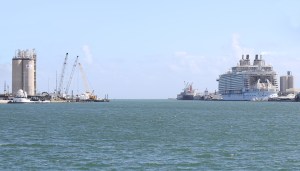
(17, 78)
(290, 80)
(286, 82)
(24, 72)
(283, 84)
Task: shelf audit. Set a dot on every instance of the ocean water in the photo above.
(150, 135)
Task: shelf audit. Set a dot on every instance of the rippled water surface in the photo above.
(150, 135)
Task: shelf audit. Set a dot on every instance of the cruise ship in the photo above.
(249, 82)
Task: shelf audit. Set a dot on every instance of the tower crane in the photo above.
(62, 76)
(71, 76)
(86, 84)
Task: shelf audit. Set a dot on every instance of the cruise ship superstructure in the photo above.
(249, 82)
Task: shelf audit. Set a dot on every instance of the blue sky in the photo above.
(147, 49)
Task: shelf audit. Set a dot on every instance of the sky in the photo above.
(147, 49)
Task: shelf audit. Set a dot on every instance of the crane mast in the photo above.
(71, 76)
(62, 75)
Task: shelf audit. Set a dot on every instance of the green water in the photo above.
(150, 135)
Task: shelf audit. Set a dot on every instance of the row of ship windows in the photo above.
(231, 85)
(239, 84)
(231, 80)
(235, 92)
(230, 77)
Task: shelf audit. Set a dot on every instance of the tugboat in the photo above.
(188, 92)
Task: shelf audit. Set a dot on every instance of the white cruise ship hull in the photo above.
(250, 96)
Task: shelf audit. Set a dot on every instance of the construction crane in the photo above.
(86, 84)
(71, 76)
(61, 82)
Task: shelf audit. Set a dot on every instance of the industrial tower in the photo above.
(286, 82)
(24, 72)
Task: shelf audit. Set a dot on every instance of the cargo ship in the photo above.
(249, 82)
(188, 92)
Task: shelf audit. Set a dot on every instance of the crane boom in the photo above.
(62, 75)
(71, 76)
(86, 84)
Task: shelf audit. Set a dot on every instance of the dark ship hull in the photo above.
(187, 97)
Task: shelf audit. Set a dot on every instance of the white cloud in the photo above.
(238, 50)
(88, 57)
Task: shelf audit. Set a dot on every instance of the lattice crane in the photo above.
(61, 82)
(86, 84)
(71, 76)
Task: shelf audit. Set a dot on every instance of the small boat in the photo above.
(21, 97)
(101, 100)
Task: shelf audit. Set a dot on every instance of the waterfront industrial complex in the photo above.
(24, 83)
(248, 81)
